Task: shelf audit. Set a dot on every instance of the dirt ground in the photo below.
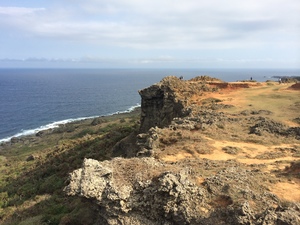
(271, 153)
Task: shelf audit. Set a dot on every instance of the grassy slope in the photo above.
(31, 191)
(275, 98)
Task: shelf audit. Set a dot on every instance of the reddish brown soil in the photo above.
(295, 86)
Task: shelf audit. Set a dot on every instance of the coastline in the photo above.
(48, 128)
(232, 140)
(32, 109)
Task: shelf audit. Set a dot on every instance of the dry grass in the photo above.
(269, 152)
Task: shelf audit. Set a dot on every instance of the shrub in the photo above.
(3, 199)
(65, 128)
(83, 133)
(51, 184)
(98, 121)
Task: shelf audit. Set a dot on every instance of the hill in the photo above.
(204, 152)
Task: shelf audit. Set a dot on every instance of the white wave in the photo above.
(58, 123)
(41, 128)
(130, 109)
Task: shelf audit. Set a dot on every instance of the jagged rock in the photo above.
(280, 216)
(144, 191)
(288, 216)
(239, 184)
(168, 99)
(148, 142)
(205, 79)
(293, 131)
(270, 126)
(42, 133)
(160, 104)
(147, 190)
(267, 125)
(186, 123)
(150, 191)
(255, 112)
(15, 140)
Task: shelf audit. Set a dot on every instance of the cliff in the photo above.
(169, 98)
(207, 152)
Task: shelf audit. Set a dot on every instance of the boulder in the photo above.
(142, 191)
(150, 193)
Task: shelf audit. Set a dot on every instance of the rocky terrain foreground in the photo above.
(206, 152)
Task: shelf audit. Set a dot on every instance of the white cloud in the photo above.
(170, 25)
(19, 11)
(162, 24)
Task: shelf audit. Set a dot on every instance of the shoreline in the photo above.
(230, 141)
(28, 134)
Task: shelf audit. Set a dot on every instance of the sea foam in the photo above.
(58, 123)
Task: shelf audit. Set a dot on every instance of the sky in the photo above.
(150, 33)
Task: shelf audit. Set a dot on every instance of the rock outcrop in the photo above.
(160, 104)
(142, 191)
(144, 187)
(152, 193)
(171, 98)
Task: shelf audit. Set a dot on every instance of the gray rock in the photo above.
(30, 158)
(159, 105)
(140, 196)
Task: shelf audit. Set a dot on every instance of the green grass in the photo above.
(57, 154)
(283, 104)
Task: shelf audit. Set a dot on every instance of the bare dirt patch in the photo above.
(229, 138)
(295, 87)
(287, 191)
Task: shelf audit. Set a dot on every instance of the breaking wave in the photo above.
(56, 124)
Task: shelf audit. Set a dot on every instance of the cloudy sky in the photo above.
(150, 33)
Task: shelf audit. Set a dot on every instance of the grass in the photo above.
(22, 183)
(281, 102)
(31, 192)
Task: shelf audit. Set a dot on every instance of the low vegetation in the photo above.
(235, 132)
(34, 171)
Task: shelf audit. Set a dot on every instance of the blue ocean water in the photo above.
(36, 99)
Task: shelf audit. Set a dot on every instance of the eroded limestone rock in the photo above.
(144, 191)
(160, 104)
(152, 190)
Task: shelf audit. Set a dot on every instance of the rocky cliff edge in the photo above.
(182, 181)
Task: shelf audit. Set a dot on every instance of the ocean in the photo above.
(36, 99)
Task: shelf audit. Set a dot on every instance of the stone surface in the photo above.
(160, 103)
(144, 191)
(141, 188)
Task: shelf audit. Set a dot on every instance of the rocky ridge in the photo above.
(145, 187)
